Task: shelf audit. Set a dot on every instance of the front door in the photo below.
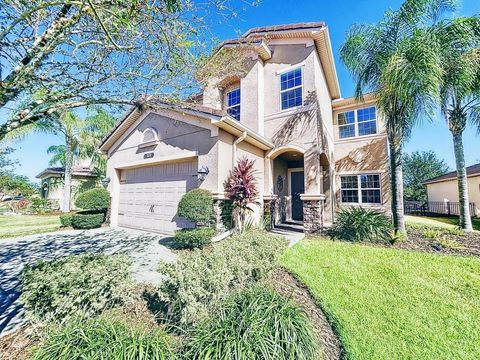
(297, 187)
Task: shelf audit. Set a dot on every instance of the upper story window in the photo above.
(291, 89)
(233, 104)
(361, 189)
(359, 122)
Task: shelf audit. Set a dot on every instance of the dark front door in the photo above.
(297, 187)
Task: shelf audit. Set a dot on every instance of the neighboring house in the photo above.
(52, 184)
(444, 188)
(314, 151)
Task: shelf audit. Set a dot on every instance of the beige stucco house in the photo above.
(313, 150)
(444, 189)
(51, 184)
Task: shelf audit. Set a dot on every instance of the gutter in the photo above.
(235, 143)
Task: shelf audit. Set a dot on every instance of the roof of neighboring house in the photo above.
(473, 170)
(219, 118)
(77, 171)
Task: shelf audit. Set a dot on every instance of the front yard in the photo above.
(393, 304)
(22, 225)
(439, 221)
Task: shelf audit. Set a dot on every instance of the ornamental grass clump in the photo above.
(198, 281)
(255, 323)
(359, 224)
(75, 286)
(103, 338)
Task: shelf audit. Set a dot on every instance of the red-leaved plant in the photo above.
(241, 189)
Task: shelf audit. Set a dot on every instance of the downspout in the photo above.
(235, 143)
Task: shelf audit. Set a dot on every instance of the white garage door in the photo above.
(149, 196)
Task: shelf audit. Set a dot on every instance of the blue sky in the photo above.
(338, 15)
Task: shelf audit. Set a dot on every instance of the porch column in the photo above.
(312, 212)
(270, 206)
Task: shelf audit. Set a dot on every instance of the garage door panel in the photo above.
(149, 196)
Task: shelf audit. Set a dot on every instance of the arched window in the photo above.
(149, 137)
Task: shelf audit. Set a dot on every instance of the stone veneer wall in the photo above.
(312, 216)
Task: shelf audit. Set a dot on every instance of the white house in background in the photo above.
(444, 188)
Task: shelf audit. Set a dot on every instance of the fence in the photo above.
(446, 208)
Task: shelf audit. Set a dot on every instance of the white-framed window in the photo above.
(360, 122)
(233, 103)
(149, 136)
(361, 189)
(291, 89)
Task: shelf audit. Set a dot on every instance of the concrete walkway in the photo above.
(146, 250)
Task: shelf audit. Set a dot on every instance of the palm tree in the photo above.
(393, 59)
(458, 43)
(81, 138)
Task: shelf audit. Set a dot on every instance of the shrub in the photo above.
(197, 206)
(66, 219)
(198, 281)
(254, 324)
(103, 338)
(87, 220)
(241, 189)
(194, 238)
(93, 199)
(83, 285)
(359, 224)
(37, 204)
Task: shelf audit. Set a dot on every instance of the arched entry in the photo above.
(288, 181)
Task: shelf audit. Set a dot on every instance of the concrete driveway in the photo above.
(146, 250)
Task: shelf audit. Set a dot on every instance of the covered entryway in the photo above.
(288, 185)
(149, 196)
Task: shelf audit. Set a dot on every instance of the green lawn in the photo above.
(21, 225)
(394, 304)
(445, 222)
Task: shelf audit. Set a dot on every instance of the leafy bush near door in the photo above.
(75, 286)
(198, 281)
(104, 338)
(254, 324)
(360, 224)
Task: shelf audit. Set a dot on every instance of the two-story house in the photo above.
(313, 150)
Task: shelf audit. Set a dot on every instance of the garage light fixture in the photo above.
(203, 172)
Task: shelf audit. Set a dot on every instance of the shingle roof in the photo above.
(473, 170)
(285, 27)
(76, 170)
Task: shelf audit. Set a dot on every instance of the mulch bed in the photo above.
(446, 243)
(16, 345)
(289, 287)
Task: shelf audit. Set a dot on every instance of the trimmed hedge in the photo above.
(197, 206)
(255, 324)
(75, 286)
(198, 281)
(194, 238)
(104, 338)
(87, 220)
(94, 199)
(66, 219)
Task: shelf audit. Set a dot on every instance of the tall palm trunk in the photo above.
(465, 220)
(396, 183)
(67, 186)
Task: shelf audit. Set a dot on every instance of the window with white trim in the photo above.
(361, 189)
(360, 122)
(233, 104)
(291, 89)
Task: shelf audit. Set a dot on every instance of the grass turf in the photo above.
(438, 221)
(393, 304)
(22, 225)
